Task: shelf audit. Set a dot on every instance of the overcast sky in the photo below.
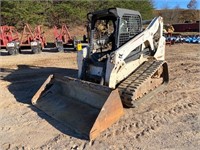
(159, 4)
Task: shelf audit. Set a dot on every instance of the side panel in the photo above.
(119, 74)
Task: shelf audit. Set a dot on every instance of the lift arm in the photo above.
(144, 39)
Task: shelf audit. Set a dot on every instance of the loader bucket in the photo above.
(85, 107)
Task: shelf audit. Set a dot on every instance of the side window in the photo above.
(134, 25)
(130, 25)
(123, 26)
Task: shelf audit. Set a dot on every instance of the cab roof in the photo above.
(112, 12)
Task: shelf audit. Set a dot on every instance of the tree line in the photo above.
(56, 12)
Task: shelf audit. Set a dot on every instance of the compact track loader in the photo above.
(123, 65)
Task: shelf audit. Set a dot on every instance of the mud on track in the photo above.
(170, 120)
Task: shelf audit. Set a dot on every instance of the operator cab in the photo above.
(102, 34)
(113, 27)
(108, 30)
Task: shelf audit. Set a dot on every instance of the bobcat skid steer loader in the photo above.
(123, 65)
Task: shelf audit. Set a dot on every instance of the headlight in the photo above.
(10, 45)
(34, 43)
(85, 52)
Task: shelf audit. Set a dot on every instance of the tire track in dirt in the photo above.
(167, 116)
(163, 118)
(64, 142)
(144, 124)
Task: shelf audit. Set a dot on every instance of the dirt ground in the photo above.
(170, 120)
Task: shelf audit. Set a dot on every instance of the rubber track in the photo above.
(129, 86)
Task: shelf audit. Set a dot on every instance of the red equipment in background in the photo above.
(62, 36)
(8, 34)
(33, 39)
(39, 36)
(28, 36)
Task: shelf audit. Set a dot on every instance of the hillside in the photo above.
(178, 15)
(54, 12)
